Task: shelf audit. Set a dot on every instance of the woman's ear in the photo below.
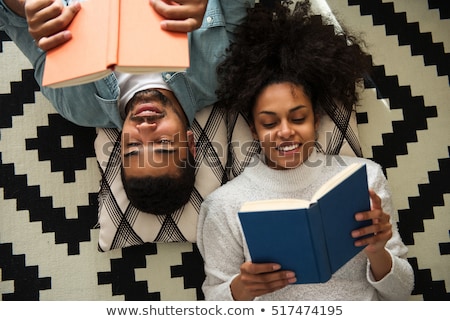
(191, 142)
(316, 121)
(254, 133)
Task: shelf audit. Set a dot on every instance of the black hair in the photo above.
(278, 44)
(161, 195)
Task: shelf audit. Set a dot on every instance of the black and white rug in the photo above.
(49, 176)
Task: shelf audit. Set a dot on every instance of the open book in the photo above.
(312, 238)
(115, 35)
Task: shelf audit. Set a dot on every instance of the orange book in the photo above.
(122, 35)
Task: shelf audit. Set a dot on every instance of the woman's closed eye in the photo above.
(269, 124)
(298, 120)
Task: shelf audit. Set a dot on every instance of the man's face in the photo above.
(155, 139)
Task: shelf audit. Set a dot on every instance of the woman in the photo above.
(282, 72)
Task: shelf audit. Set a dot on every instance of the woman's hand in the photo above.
(180, 15)
(381, 228)
(48, 21)
(258, 279)
(375, 237)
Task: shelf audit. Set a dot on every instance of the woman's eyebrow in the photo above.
(268, 112)
(296, 108)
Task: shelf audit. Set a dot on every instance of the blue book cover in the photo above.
(312, 238)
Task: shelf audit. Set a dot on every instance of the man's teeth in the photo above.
(147, 112)
(287, 148)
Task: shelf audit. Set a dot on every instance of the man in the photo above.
(153, 111)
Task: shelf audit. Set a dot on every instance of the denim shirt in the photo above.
(96, 104)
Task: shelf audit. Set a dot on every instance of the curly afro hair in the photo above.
(279, 44)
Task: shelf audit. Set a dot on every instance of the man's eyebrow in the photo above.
(132, 153)
(158, 150)
(155, 150)
(165, 150)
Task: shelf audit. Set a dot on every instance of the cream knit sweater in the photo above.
(221, 243)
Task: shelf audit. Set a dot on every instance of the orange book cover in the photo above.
(141, 40)
(114, 34)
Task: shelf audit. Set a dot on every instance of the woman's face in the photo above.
(285, 124)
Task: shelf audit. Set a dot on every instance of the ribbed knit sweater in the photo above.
(222, 245)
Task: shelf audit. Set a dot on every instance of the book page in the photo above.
(274, 205)
(336, 180)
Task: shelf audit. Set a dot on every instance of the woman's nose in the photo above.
(285, 131)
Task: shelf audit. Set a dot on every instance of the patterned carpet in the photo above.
(49, 176)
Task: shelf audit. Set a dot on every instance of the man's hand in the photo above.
(180, 15)
(48, 21)
(17, 6)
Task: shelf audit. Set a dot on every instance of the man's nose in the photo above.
(146, 126)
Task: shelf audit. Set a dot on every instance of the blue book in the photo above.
(312, 238)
